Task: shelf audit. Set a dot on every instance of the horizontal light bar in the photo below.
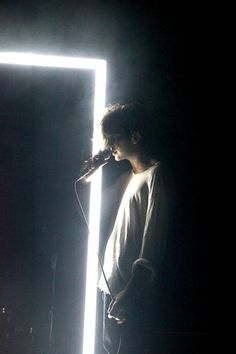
(51, 61)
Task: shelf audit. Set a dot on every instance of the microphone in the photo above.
(93, 163)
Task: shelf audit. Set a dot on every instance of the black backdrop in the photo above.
(157, 53)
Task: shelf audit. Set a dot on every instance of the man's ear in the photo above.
(136, 137)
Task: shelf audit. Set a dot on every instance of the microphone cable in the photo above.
(87, 225)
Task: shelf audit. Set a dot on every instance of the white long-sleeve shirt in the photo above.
(140, 229)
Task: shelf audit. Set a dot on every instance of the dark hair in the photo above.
(130, 117)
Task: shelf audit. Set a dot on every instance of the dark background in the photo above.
(157, 53)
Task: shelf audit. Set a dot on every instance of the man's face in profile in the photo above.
(121, 144)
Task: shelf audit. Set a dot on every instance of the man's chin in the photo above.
(118, 158)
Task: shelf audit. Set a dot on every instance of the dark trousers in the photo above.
(134, 336)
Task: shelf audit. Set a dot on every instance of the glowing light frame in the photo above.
(99, 66)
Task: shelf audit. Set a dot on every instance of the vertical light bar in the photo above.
(99, 66)
(94, 218)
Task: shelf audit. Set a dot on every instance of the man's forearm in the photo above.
(142, 274)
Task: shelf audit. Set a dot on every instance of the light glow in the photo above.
(99, 66)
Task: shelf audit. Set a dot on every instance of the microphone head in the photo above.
(93, 163)
(103, 155)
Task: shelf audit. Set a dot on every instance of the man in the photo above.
(135, 248)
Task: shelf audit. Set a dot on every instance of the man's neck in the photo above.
(141, 163)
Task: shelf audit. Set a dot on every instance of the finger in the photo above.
(114, 310)
(111, 305)
(117, 313)
(121, 321)
(120, 318)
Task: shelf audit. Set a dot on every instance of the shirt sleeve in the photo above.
(157, 222)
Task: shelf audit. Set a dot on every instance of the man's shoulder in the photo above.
(123, 179)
